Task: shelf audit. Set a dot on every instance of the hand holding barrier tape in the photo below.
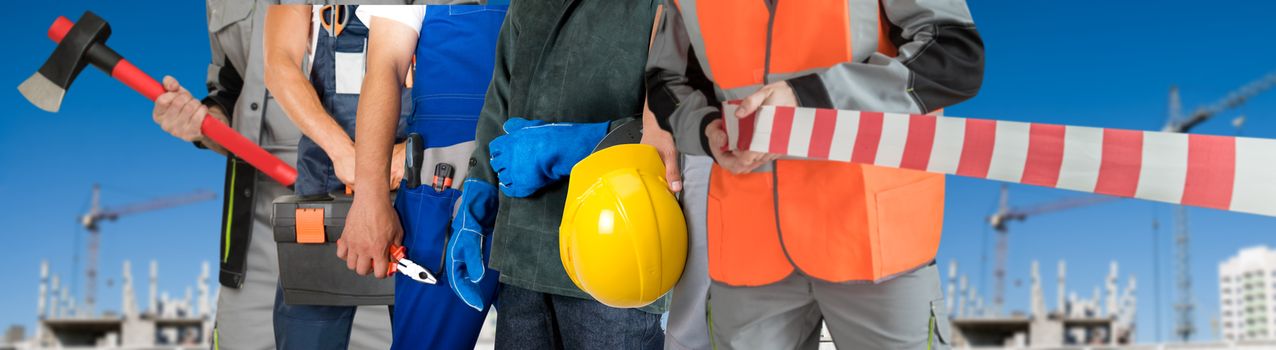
(85, 44)
(1222, 172)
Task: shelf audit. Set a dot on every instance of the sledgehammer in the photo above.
(83, 43)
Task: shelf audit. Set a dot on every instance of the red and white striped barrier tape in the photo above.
(1221, 172)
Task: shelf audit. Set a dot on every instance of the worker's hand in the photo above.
(219, 114)
(471, 236)
(534, 153)
(396, 164)
(343, 164)
(371, 227)
(774, 94)
(732, 161)
(663, 141)
(179, 113)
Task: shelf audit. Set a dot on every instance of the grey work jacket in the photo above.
(235, 83)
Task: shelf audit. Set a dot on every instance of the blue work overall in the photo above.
(454, 61)
(336, 73)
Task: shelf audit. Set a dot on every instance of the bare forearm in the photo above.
(300, 102)
(649, 123)
(378, 114)
(389, 56)
(285, 42)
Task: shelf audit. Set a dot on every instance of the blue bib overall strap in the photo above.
(455, 58)
(336, 72)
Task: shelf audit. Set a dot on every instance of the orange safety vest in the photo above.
(838, 222)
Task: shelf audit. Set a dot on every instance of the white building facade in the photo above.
(1247, 294)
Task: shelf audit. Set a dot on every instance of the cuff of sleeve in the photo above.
(226, 106)
(810, 91)
(663, 104)
(211, 101)
(214, 100)
(704, 139)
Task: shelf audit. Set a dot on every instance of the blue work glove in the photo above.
(473, 222)
(533, 153)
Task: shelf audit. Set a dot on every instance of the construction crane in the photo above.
(1232, 100)
(98, 214)
(1005, 214)
(1185, 307)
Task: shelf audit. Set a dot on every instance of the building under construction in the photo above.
(164, 323)
(1097, 320)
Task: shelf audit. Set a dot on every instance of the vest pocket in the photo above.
(909, 224)
(744, 248)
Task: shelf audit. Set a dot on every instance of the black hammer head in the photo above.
(46, 87)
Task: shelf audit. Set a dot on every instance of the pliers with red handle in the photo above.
(408, 268)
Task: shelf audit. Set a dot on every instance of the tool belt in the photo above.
(306, 232)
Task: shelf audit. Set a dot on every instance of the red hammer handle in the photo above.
(213, 128)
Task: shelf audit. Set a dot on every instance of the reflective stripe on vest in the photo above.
(838, 222)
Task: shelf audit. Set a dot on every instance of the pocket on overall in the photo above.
(445, 120)
(426, 216)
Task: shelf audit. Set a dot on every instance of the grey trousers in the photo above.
(688, 327)
(245, 314)
(907, 312)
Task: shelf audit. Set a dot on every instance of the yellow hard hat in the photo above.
(623, 238)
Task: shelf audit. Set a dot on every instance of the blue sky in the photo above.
(1095, 63)
(103, 134)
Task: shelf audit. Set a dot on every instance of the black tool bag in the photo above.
(306, 230)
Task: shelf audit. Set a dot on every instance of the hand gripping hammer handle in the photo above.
(214, 129)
